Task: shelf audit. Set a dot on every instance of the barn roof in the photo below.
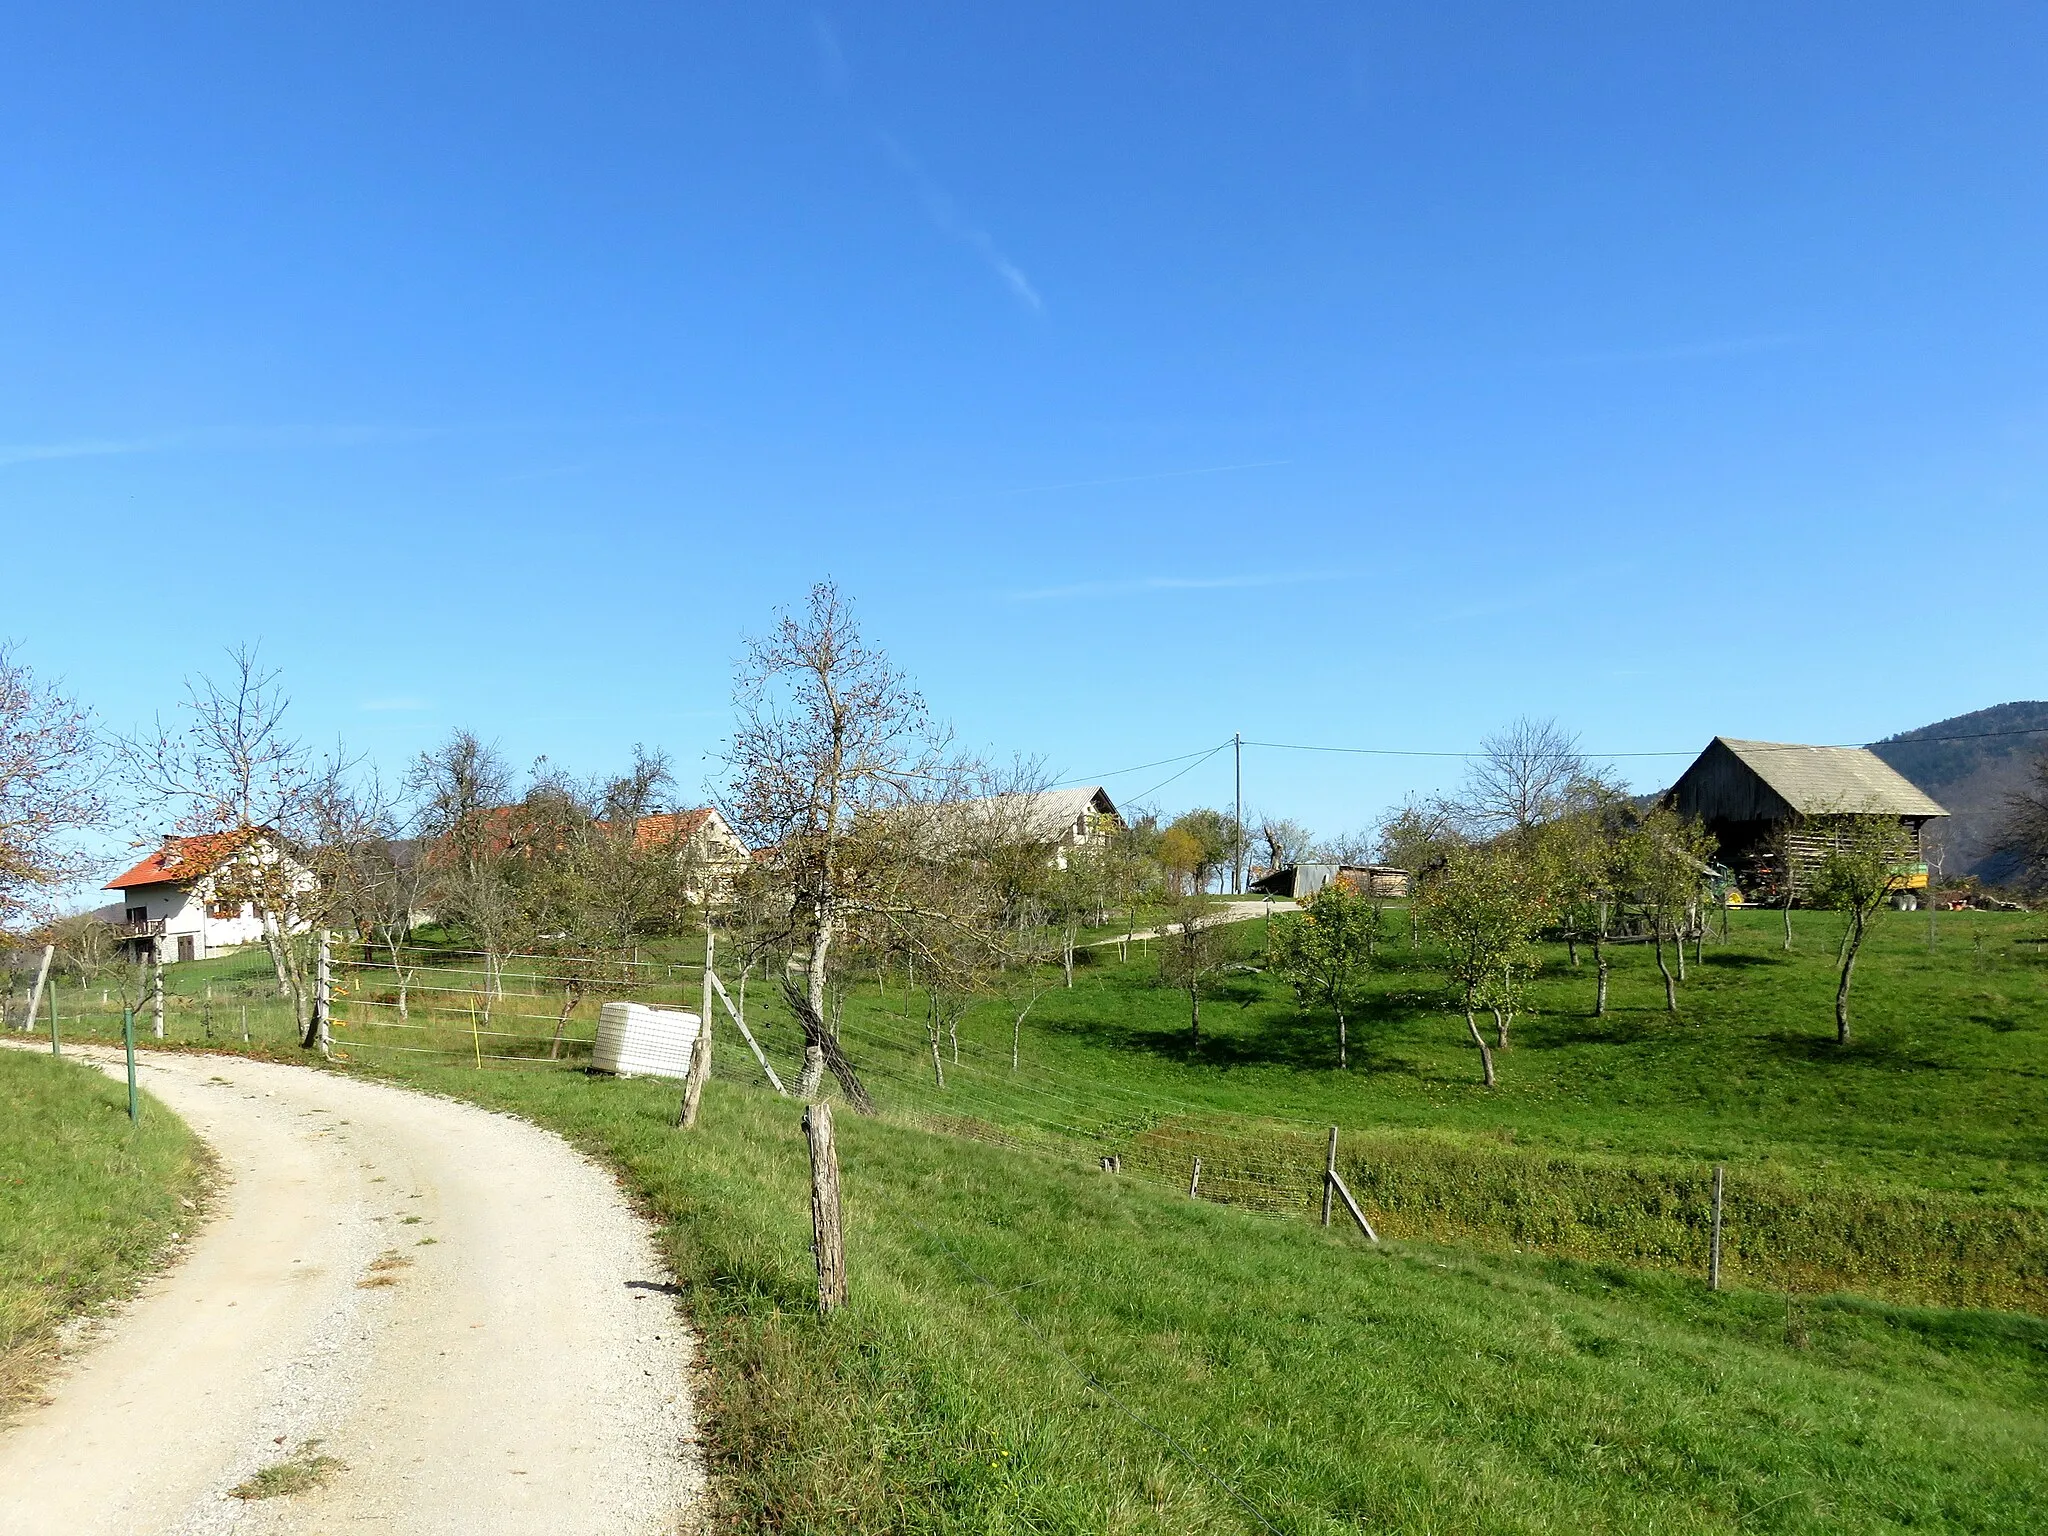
(1816, 781)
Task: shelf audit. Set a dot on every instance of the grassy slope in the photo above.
(1414, 1387)
(86, 1201)
(1335, 1387)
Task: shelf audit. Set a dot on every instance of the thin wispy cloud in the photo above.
(942, 212)
(831, 57)
(1726, 346)
(395, 706)
(77, 448)
(1138, 585)
(1164, 474)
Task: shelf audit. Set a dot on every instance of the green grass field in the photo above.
(87, 1202)
(1034, 1345)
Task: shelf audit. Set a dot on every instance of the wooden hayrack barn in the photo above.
(1747, 792)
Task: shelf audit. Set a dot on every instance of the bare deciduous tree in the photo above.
(50, 778)
(832, 745)
(2024, 831)
(1527, 774)
(1284, 841)
(233, 772)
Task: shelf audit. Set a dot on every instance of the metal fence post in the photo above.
(128, 1039)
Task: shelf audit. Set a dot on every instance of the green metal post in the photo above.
(128, 1035)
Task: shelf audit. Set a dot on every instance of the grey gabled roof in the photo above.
(1815, 781)
(1049, 813)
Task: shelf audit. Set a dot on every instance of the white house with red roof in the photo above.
(702, 837)
(172, 898)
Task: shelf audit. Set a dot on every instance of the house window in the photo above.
(138, 914)
(225, 911)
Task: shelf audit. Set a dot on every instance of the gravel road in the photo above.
(454, 1304)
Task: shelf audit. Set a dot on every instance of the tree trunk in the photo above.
(1600, 974)
(1343, 1041)
(1670, 985)
(1485, 1055)
(1571, 946)
(270, 943)
(1678, 943)
(1788, 912)
(1848, 974)
(1195, 1012)
(819, 1043)
(562, 1023)
(1067, 955)
(1500, 1026)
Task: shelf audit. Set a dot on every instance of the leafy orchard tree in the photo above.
(1196, 845)
(1857, 875)
(1326, 953)
(1419, 838)
(50, 776)
(1667, 859)
(1485, 905)
(1193, 949)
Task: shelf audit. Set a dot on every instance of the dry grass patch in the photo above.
(303, 1471)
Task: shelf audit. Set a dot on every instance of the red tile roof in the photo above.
(650, 830)
(181, 859)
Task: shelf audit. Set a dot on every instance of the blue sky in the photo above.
(1344, 374)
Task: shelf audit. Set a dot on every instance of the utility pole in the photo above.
(1237, 855)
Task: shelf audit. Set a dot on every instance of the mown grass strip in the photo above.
(87, 1201)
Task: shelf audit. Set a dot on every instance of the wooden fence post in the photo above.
(1329, 1176)
(1714, 1243)
(1195, 1180)
(35, 993)
(828, 1235)
(700, 1050)
(156, 985)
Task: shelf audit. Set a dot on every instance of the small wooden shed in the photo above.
(1744, 792)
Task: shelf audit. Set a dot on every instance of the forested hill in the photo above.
(1970, 764)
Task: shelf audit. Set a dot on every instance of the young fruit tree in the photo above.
(1857, 875)
(1485, 906)
(1666, 859)
(1326, 953)
(1191, 951)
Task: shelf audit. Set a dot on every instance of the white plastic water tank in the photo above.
(634, 1040)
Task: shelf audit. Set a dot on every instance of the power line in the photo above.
(1298, 746)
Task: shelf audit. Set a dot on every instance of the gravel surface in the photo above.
(454, 1304)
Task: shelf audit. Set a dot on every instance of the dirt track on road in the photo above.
(454, 1304)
